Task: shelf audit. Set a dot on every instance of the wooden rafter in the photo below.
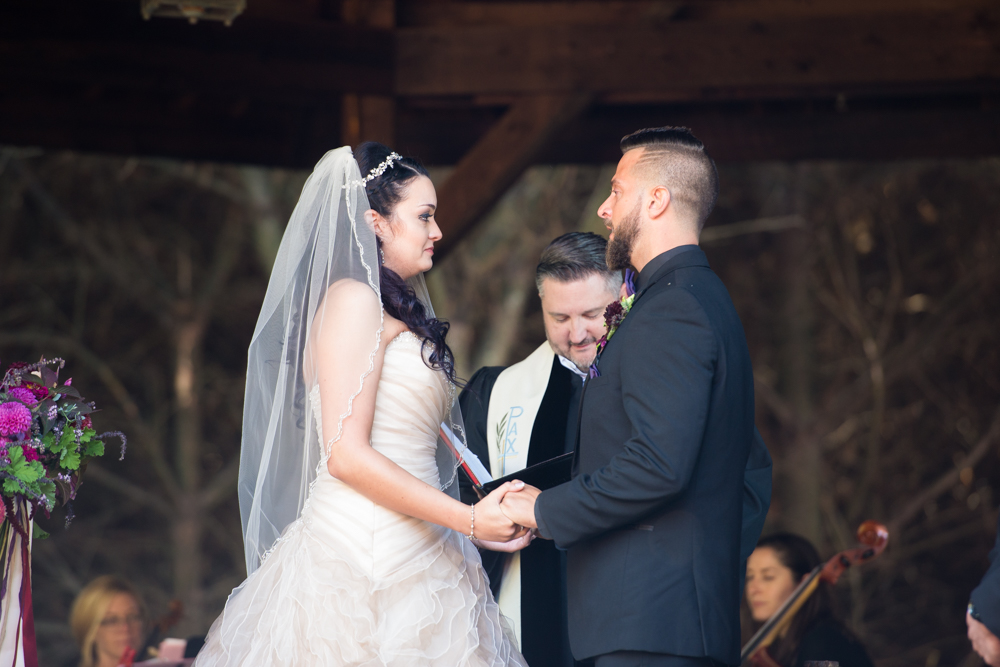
(759, 79)
(99, 45)
(697, 60)
(369, 117)
(496, 161)
(460, 13)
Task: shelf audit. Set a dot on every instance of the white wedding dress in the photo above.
(353, 583)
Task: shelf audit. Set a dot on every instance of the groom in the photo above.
(652, 518)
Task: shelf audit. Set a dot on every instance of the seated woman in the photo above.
(778, 564)
(107, 617)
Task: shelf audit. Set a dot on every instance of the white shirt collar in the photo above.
(570, 365)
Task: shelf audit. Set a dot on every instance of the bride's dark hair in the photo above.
(399, 300)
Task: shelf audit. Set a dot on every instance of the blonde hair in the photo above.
(89, 609)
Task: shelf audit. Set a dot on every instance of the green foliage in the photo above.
(91, 445)
(61, 436)
(25, 475)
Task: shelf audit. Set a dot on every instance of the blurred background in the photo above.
(148, 167)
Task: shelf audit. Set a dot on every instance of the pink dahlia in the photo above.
(24, 395)
(14, 418)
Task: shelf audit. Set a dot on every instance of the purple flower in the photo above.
(53, 412)
(29, 453)
(613, 315)
(24, 395)
(14, 418)
(38, 390)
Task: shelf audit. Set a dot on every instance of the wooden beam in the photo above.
(872, 129)
(369, 117)
(420, 13)
(497, 160)
(220, 126)
(108, 44)
(237, 128)
(227, 127)
(698, 60)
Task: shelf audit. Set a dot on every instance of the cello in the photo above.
(873, 538)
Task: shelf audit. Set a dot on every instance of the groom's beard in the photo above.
(619, 251)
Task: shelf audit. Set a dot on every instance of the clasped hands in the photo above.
(505, 519)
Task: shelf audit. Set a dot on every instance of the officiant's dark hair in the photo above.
(575, 256)
(399, 300)
(678, 160)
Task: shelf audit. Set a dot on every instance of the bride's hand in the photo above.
(516, 544)
(491, 523)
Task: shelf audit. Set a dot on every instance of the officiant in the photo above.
(529, 412)
(525, 414)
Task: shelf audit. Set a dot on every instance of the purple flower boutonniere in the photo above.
(614, 315)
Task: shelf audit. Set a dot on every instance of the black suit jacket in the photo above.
(653, 519)
(986, 596)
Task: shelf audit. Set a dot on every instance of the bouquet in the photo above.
(46, 439)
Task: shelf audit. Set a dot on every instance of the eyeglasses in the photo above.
(115, 621)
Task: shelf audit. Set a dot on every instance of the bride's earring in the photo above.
(381, 255)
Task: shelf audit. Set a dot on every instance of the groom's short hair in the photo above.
(575, 256)
(675, 158)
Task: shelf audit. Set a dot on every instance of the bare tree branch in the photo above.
(76, 236)
(776, 404)
(228, 248)
(221, 485)
(937, 540)
(949, 479)
(128, 489)
(781, 223)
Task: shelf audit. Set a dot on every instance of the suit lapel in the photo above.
(688, 259)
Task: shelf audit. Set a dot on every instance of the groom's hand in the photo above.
(491, 524)
(519, 506)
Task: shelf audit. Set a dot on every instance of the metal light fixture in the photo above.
(195, 10)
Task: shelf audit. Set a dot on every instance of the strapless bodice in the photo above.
(410, 404)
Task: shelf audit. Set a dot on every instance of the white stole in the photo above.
(514, 402)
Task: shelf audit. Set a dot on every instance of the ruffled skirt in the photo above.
(311, 602)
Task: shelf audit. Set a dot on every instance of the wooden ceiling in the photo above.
(495, 86)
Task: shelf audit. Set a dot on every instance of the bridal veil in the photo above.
(328, 240)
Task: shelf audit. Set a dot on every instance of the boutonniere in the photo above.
(614, 315)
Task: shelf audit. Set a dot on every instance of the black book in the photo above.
(542, 475)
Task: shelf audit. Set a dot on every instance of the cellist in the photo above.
(778, 564)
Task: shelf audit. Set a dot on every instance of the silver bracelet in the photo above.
(472, 524)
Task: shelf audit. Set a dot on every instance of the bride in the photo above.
(356, 542)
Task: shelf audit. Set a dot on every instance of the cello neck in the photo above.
(780, 619)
